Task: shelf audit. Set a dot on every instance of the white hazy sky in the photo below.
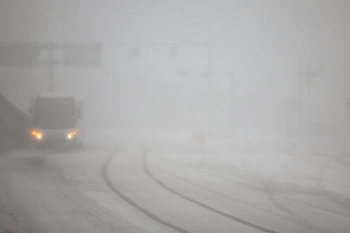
(261, 42)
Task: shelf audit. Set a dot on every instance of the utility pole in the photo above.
(50, 62)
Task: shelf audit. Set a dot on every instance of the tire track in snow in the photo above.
(269, 193)
(344, 202)
(96, 215)
(234, 218)
(16, 215)
(243, 185)
(132, 203)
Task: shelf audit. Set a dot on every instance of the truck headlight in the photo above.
(37, 135)
(70, 135)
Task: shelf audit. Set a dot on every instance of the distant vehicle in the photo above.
(57, 120)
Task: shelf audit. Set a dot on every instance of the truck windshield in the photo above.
(54, 115)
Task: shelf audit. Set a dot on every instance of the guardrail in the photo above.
(14, 126)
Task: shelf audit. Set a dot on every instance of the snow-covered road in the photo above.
(179, 186)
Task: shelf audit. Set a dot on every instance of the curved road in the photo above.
(174, 187)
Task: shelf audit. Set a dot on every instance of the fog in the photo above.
(215, 68)
(200, 116)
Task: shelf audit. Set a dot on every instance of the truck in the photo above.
(57, 120)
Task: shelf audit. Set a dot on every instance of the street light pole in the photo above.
(309, 75)
(300, 92)
(210, 130)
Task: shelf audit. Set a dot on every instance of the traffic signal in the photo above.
(19, 54)
(82, 54)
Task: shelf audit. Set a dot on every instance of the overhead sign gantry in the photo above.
(27, 54)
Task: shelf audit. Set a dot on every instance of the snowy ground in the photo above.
(140, 182)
